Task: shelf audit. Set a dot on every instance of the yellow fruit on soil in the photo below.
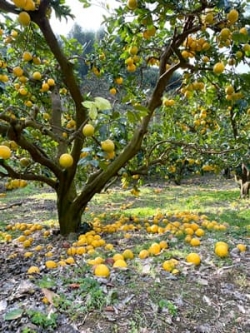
(193, 258)
(241, 247)
(33, 270)
(118, 256)
(66, 160)
(168, 266)
(218, 68)
(108, 145)
(199, 232)
(221, 250)
(195, 242)
(143, 254)
(88, 130)
(154, 249)
(163, 244)
(128, 254)
(26, 243)
(233, 16)
(70, 260)
(50, 264)
(102, 270)
(221, 243)
(120, 263)
(37, 76)
(24, 18)
(132, 4)
(5, 152)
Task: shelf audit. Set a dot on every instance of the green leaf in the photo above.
(93, 112)
(13, 314)
(88, 104)
(102, 103)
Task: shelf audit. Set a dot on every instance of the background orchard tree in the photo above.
(76, 143)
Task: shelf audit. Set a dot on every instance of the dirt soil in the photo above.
(211, 298)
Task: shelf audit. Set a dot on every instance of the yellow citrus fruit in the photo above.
(133, 50)
(119, 80)
(66, 160)
(108, 145)
(218, 68)
(45, 87)
(33, 270)
(168, 266)
(221, 250)
(241, 247)
(233, 16)
(221, 243)
(88, 130)
(102, 270)
(128, 254)
(19, 3)
(118, 256)
(17, 71)
(50, 264)
(143, 254)
(37, 76)
(132, 4)
(154, 249)
(51, 82)
(120, 263)
(199, 232)
(29, 5)
(24, 18)
(225, 33)
(70, 260)
(5, 152)
(209, 18)
(193, 258)
(27, 56)
(229, 90)
(131, 68)
(26, 243)
(163, 244)
(195, 242)
(112, 91)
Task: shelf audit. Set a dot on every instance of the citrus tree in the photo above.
(54, 132)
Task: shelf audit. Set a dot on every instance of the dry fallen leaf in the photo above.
(50, 295)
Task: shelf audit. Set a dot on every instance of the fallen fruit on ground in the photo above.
(193, 258)
(51, 264)
(33, 270)
(120, 263)
(128, 254)
(102, 270)
(221, 250)
(241, 247)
